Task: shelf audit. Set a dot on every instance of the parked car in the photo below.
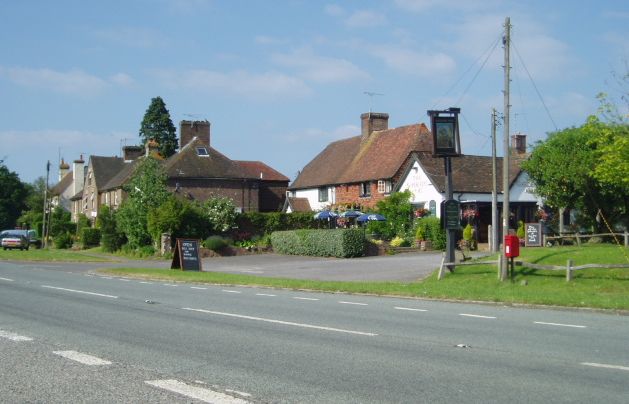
(31, 236)
(14, 240)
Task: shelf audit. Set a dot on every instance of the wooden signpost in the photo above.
(186, 255)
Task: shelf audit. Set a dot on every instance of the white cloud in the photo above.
(71, 82)
(340, 132)
(416, 6)
(424, 64)
(318, 68)
(121, 79)
(241, 83)
(334, 10)
(268, 40)
(420, 6)
(365, 19)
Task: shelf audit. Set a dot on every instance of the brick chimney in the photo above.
(371, 122)
(130, 153)
(189, 129)
(63, 169)
(518, 143)
(78, 170)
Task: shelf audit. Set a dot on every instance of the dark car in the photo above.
(14, 240)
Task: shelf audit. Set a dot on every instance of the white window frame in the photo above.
(384, 186)
(324, 194)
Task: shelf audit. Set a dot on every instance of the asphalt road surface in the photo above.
(67, 335)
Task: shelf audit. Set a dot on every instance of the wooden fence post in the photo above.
(441, 271)
(626, 239)
(569, 271)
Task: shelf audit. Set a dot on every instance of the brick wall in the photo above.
(350, 194)
(244, 194)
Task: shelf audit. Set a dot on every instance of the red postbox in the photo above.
(512, 246)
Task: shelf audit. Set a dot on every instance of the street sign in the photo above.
(451, 214)
(533, 237)
(186, 255)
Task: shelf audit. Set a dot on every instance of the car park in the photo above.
(12, 240)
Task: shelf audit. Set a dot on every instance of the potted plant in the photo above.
(420, 238)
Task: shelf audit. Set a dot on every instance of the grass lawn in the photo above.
(595, 288)
(40, 254)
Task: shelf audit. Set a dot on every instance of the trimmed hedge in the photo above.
(90, 237)
(269, 222)
(341, 243)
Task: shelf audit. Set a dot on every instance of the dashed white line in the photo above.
(198, 393)
(267, 320)
(14, 337)
(265, 294)
(6, 279)
(560, 325)
(82, 358)
(312, 299)
(408, 309)
(477, 316)
(251, 272)
(146, 283)
(79, 291)
(354, 303)
(170, 284)
(602, 365)
(197, 287)
(231, 291)
(124, 280)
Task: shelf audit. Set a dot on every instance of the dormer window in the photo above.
(202, 152)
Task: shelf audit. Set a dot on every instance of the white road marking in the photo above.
(79, 291)
(169, 284)
(265, 294)
(6, 279)
(124, 280)
(560, 325)
(82, 358)
(107, 277)
(477, 316)
(602, 365)
(354, 303)
(231, 291)
(147, 283)
(408, 308)
(306, 298)
(13, 336)
(240, 393)
(248, 271)
(267, 320)
(197, 287)
(197, 393)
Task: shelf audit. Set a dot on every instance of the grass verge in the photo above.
(594, 288)
(45, 254)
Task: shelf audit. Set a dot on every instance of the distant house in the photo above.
(70, 183)
(364, 169)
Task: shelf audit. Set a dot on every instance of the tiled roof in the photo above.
(470, 174)
(299, 204)
(257, 169)
(62, 185)
(122, 176)
(350, 160)
(105, 168)
(188, 164)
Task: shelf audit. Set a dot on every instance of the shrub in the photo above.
(399, 242)
(62, 241)
(90, 237)
(520, 232)
(215, 243)
(111, 239)
(434, 232)
(342, 243)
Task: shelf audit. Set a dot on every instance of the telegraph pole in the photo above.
(494, 189)
(505, 159)
(43, 226)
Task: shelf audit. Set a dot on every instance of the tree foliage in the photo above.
(13, 195)
(111, 239)
(221, 213)
(396, 208)
(179, 217)
(157, 125)
(33, 215)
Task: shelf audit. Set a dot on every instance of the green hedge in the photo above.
(90, 237)
(269, 222)
(342, 243)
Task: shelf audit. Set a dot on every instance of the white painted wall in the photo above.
(421, 188)
(523, 190)
(313, 197)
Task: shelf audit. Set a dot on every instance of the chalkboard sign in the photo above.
(186, 255)
(533, 235)
(450, 213)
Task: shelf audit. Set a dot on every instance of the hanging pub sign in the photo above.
(445, 132)
(186, 256)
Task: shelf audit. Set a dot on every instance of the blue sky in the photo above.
(279, 80)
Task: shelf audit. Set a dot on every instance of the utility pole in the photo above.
(505, 159)
(494, 189)
(43, 227)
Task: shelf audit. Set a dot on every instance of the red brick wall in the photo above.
(350, 194)
(243, 193)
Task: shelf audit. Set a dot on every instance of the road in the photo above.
(67, 335)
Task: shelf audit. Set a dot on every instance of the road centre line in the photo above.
(195, 392)
(408, 309)
(169, 284)
(268, 320)
(602, 365)
(146, 283)
(354, 303)
(79, 291)
(6, 279)
(197, 287)
(82, 358)
(560, 325)
(477, 316)
(124, 280)
(231, 291)
(306, 298)
(265, 294)
(14, 337)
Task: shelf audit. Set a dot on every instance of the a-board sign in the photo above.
(533, 237)
(186, 255)
(450, 212)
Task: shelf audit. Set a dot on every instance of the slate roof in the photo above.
(122, 176)
(470, 174)
(188, 164)
(105, 168)
(253, 169)
(350, 160)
